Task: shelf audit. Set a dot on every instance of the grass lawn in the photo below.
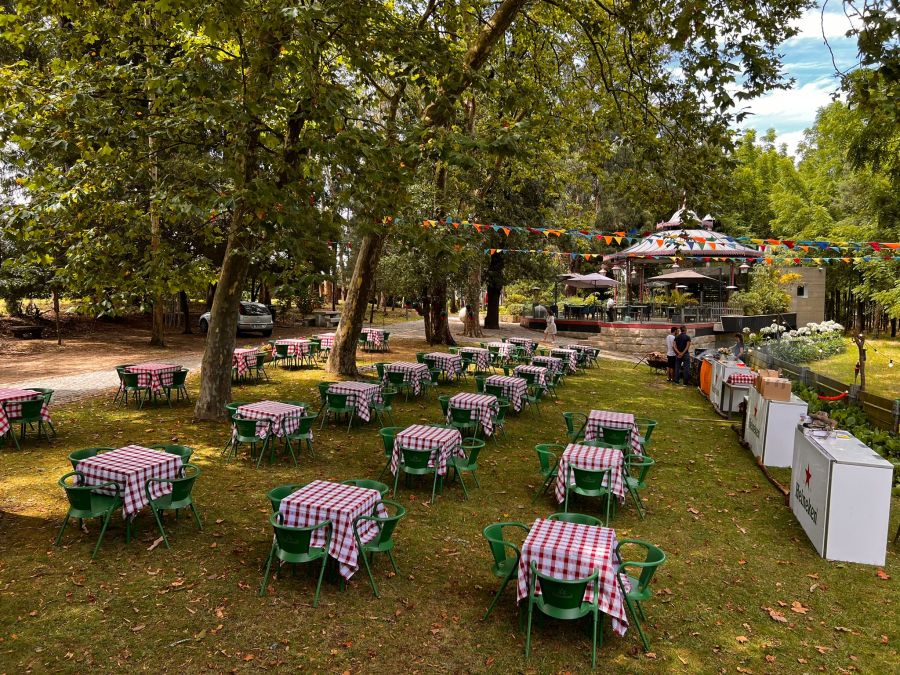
(880, 379)
(742, 591)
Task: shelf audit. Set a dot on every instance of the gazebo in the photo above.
(684, 238)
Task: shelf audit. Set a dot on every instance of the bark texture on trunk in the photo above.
(56, 314)
(342, 359)
(494, 288)
(437, 316)
(472, 327)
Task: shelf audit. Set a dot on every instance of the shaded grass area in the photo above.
(880, 378)
(736, 556)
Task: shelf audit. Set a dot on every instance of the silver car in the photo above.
(252, 316)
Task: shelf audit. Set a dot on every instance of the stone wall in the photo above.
(641, 341)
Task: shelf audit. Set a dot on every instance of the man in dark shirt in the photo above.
(683, 355)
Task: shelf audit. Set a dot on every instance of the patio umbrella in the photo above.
(685, 275)
(593, 280)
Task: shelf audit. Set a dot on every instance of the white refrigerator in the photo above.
(841, 495)
(718, 394)
(769, 430)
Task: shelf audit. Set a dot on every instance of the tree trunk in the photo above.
(56, 312)
(860, 341)
(437, 316)
(185, 312)
(215, 383)
(342, 359)
(158, 327)
(210, 296)
(494, 288)
(893, 328)
(472, 327)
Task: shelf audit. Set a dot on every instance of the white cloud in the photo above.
(790, 109)
(813, 24)
(791, 140)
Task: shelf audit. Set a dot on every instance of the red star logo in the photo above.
(755, 408)
(808, 475)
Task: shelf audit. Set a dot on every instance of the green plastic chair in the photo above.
(244, 431)
(415, 463)
(465, 421)
(554, 380)
(301, 434)
(479, 383)
(564, 599)
(444, 400)
(472, 447)
(499, 419)
(323, 393)
(420, 357)
(433, 382)
(387, 438)
(575, 425)
(130, 385)
(549, 461)
(85, 503)
(259, 367)
(29, 413)
(182, 451)
(533, 396)
(385, 347)
(293, 545)
(506, 557)
(386, 406)
(119, 370)
(47, 394)
(336, 404)
(616, 438)
(645, 429)
(640, 586)
(77, 455)
(368, 484)
(179, 498)
(276, 494)
(383, 542)
(179, 377)
(577, 518)
(636, 469)
(281, 356)
(379, 368)
(590, 483)
(231, 408)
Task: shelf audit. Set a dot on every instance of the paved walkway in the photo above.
(82, 385)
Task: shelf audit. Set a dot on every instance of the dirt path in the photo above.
(84, 365)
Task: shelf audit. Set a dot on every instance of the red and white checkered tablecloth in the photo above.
(322, 500)
(445, 443)
(514, 389)
(414, 373)
(571, 551)
(540, 374)
(451, 364)
(502, 348)
(273, 417)
(295, 347)
(244, 360)
(483, 407)
(527, 343)
(375, 336)
(741, 378)
(361, 395)
(480, 357)
(588, 457)
(569, 357)
(583, 348)
(154, 375)
(614, 420)
(9, 406)
(551, 363)
(130, 467)
(326, 340)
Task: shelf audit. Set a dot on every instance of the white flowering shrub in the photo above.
(811, 342)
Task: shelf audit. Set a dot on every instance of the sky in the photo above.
(807, 60)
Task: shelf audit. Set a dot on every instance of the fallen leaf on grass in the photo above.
(650, 655)
(823, 650)
(881, 574)
(742, 639)
(775, 615)
(799, 608)
(747, 671)
(770, 658)
(249, 657)
(694, 511)
(138, 628)
(155, 543)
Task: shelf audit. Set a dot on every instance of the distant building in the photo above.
(808, 295)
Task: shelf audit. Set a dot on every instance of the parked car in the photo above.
(252, 316)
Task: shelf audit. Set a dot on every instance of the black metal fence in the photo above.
(882, 412)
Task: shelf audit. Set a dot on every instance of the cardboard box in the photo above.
(761, 374)
(776, 389)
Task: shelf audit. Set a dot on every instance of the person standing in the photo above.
(550, 330)
(670, 354)
(737, 349)
(610, 309)
(682, 348)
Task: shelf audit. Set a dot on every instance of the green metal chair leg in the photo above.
(102, 532)
(319, 585)
(162, 530)
(265, 581)
(637, 622)
(62, 529)
(393, 562)
(497, 595)
(197, 517)
(365, 560)
(458, 474)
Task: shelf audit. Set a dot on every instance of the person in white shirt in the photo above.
(670, 353)
(550, 330)
(610, 309)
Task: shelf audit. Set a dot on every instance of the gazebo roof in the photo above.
(685, 243)
(685, 275)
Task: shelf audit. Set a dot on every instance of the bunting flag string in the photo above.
(769, 260)
(633, 235)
